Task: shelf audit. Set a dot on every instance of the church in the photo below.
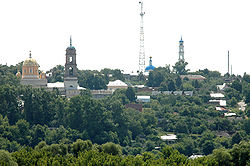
(69, 88)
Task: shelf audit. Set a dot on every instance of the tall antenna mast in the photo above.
(142, 49)
(228, 64)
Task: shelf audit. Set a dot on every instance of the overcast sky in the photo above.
(105, 33)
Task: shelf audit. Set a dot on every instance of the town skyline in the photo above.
(108, 36)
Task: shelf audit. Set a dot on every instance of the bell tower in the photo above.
(70, 65)
(70, 76)
(181, 50)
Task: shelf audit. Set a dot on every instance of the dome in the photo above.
(149, 68)
(30, 62)
(71, 48)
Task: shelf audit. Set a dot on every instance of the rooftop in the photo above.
(169, 137)
(117, 83)
(217, 95)
(55, 85)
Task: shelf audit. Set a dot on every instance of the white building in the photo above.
(117, 84)
(144, 99)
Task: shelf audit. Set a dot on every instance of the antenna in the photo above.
(142, 49)
(228, 64)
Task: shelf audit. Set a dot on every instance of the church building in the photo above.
(69, 88)
(30, 74)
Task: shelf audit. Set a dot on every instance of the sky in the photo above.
(106, 33)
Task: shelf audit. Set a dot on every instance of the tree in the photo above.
(222, 156)
(246, 93)
(130, 93)
(171, 85)
(233, 102)
(237, 85)
(208, 147)
(240, 153)
(178, 81)
(10, 103)
(112, 148)
(236, 138)
(81, 146)
(246, 78)
(180, 67)
(230, 93)
(57, 74)
(6, 159)
(93, 80)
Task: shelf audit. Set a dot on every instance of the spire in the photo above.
(181, 39)
(30, 54)
(70, 41)
(150, 61)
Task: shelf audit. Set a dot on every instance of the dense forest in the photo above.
(38, 127)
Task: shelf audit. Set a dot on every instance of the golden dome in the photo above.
(30, 62)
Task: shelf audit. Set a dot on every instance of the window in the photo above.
(30, 71)
(71, 71)
(70, 59)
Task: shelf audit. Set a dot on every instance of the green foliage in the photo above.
(6, 159)
(233, 102)
(8, 74)
(112, 148)
(240, 153)
(81, 146)
(230, 93)
(57, 74)
(180, 67)
(92, 80)
(237, 85)
(222, 156)
(52, 123)
(130, 93)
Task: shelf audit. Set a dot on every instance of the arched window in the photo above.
(71, 71)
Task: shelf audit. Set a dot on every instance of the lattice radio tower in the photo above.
(142, 50)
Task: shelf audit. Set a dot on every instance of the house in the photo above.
(222, 134)
(169, 137)
(144, 99)
(217, 95)
(177, 92)
(222, 103)
(188, 93)
(117, 84)
(193, 77)
(195, 156)
(167, 92)
(98, 94)
(230, 114)
(134, 106)
(155, 93)
(221, 87)
(221, 109)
